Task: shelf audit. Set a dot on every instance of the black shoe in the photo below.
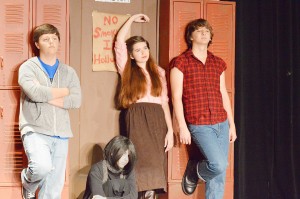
(190, 178)
(26, 194)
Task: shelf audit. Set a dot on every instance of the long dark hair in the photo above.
(134, 84)
(116, 148)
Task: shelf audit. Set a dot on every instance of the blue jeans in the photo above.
(213, 142)
(46, 164)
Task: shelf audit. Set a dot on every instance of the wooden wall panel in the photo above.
(98, 116)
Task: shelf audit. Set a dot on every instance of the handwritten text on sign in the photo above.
(105, 28)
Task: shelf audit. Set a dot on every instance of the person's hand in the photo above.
(169, 141)
(185, 136)
(232, 134)
(140, 18)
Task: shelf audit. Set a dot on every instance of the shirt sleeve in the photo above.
(121, 56)
(220, 64)
(73, 100)
(31, 86)
(95, 180)
(223, 65)
(177, 62)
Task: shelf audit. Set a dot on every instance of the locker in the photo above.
(18, 18)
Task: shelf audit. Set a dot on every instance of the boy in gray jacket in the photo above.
(49, 89)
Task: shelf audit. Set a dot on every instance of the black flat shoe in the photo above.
(190, 178)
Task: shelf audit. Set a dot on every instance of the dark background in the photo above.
(267, 99)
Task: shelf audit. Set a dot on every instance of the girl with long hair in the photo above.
(148, 119)
(113, 177)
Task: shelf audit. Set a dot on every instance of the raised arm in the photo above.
(138, 18)
(120, 46)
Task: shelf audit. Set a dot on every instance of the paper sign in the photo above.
(105, 28)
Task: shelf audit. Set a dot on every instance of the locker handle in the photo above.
(1, 62)
(1, 112)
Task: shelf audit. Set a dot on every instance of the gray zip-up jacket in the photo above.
(36, 114)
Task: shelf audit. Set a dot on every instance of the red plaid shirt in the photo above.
(201, 97)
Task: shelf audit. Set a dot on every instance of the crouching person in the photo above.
(113, 177)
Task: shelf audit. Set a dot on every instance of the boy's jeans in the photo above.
(46, 164)
(213, 142)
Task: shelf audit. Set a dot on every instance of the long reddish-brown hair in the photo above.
(134, 84)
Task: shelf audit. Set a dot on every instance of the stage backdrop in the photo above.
(267, 103)
(105, 28)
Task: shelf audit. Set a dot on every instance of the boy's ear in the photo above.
(37, 45)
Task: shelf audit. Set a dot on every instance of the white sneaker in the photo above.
(26, 194)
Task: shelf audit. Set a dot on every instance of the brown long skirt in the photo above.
(146, 127)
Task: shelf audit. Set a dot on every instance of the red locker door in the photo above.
(14, 20)
(18, 17)
(182, 12)
(221, 15)
(55, 12)
(11, 148)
